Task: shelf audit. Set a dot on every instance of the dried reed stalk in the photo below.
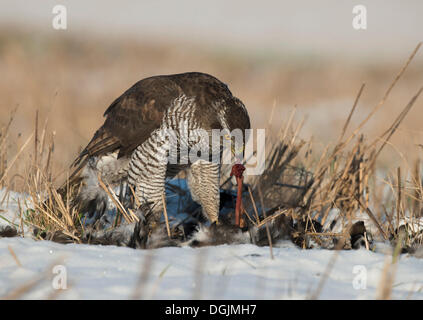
(165, 215)
(269, 238)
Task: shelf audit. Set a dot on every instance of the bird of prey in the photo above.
(130, 145)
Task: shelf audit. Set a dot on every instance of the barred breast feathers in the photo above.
(133, 142)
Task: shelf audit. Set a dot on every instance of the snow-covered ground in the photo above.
(28, 269)
(222, 272)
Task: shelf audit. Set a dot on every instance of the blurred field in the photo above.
(72, 80)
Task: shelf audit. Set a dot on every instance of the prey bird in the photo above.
(128, 149)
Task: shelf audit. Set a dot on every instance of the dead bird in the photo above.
(359, 236)
(8, 231)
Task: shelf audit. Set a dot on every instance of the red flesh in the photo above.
(237, 170)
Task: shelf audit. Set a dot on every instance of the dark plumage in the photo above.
(126, 147)
(132, 117)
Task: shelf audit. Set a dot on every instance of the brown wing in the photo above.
(130, 119)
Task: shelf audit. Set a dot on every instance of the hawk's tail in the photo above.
(101, 144)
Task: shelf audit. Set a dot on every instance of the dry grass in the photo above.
(303, 180)
(71, 81)
(297, 177)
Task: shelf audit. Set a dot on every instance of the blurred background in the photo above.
(274, 55)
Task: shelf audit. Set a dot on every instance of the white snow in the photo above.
(9, 208)
(220, 272)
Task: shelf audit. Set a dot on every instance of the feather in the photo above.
(129, 133)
